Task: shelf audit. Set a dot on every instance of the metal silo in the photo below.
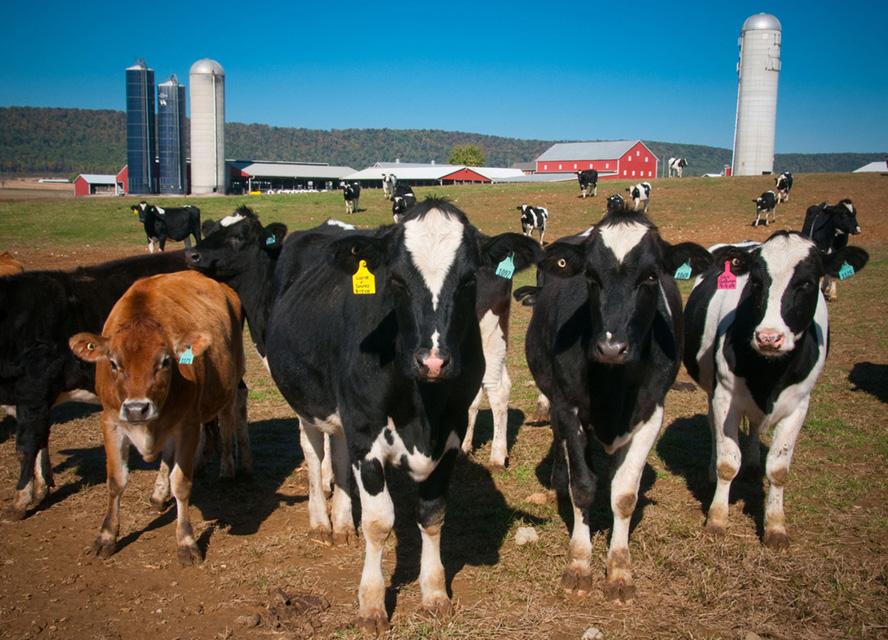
(207, 80)
(758, 71)
(171, 135)
(141, 147)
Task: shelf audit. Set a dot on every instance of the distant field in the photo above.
(832, 583)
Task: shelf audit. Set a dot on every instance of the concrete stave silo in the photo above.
(171, 135)
(207, 88)
(141, 147)
(758, 72)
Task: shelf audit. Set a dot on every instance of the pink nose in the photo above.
(769, 339)
(433, 365)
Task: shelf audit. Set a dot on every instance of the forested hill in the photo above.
(63, 142)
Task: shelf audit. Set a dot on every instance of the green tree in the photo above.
(470, 155)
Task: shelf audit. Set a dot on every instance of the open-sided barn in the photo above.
(613, 159)
(419, 174)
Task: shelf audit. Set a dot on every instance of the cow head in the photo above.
(427, 265)
(615, 202)
(139, 361)
(140, 210)
(844, 217)
(623, 263)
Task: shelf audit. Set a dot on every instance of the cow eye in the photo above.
(649, 278)
(165, 361)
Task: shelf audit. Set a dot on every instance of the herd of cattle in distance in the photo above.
(402, 329)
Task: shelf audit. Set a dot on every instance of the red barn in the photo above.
(613, 159)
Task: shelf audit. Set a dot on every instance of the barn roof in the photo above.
(600, 150)
(291, 170)
(97, 178)
(873, 167)
(415, 171)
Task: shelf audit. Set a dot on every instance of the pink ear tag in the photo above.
(727, 280)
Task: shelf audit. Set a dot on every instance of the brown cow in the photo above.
(9, 266)
(169, 359)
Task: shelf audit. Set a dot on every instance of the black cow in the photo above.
(588, 180)
(604, 345)
(783, 183)
(757, 349)
(829, 226)
(39, 311)
(174, 223)
(641, 196)
(533, 218)
(615, 202)
(402, 199)
(389, 370)
(351, 193)
(765, 204)
(676, 167)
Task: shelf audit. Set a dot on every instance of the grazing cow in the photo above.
(676, 167)
(641, 195)
(39, 311)
(175, 223)
(351, 193)
(588, 180)
(783, 183)
(9, 266)
(169, 359)
(757, 347)
(829, 226)
(603, 345)
(389, 182)
(765, 204)
(615, 202)
(533, 218)
(402, 199)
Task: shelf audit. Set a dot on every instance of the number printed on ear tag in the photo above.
(683, 272)
(846, 271)
(506, 268)
(187, 356)
(270, 240)
(727, 280)
(363, 282)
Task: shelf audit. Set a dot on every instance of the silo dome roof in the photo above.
(761, 22)
(208, 66)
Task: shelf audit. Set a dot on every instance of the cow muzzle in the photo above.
(769, 341)
(610, 351)
(138, 410)
(433, 364)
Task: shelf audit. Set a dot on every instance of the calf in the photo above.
(615, 202)
(676, 167)
(9, 266)
(533, 218)
(175, 223)
(641, 195)
(603, 345)
(389, 182)
(767, 204)
(588, 180)
(351, 193)
(757, 347)
(783, 183)
(828, 227)
(169, 359)
(402, 199)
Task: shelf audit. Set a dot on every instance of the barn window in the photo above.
(575, 165)
(559, 167)
(624, 172)
(607, 165)
(637, 152)
(633, 173)
(545, 167)
(646, 158)
(649, 174)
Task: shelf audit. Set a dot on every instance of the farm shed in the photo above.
(879, 166)
(613, 159)
(91, 184)
(430, 174)
(264, 175)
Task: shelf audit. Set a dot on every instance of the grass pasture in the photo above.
(832, 583)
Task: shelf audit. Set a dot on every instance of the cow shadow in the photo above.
(871, 378)
(61, 414)
(484, 427)
(685, 448)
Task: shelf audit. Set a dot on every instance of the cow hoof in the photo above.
(12, 514)
(189, 555)
(576, 581)
(466, 448)
(438, 606)
(495, 467)
(716, 529)
(346, 538)
(158, 504)
(40, 492)
(321, 536)
(103, 549)
(776, 540)
(620, 590)
(374, 623)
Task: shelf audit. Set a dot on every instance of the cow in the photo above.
(174, 223)
(40, 311)
(402, 199)
(615, 202)
(783, 184)
(389, 182)
(756, 347)
(765, 204)
(351, 193)
(640, 195)
(8, 265)
(828, 227)
(604, 346)
(169, 359)
(676, 167)
(533, 218)
(588, 180)
(387, 360)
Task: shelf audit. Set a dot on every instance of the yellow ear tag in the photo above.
(363, 282)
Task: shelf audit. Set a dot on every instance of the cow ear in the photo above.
(836, 264)
(347, 252)
(524, 250)
(89, 347)
(208, 226)
(526, 295)
(741, 259)
(674, 256)
(188, 348)
(273, 236)
(563, 260)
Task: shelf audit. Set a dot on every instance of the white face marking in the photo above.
(849, 207)
(142, 205)
(432, 242)
(227, 221)
(340, 223)
(435, 337)
(781, 257)
(622, 238)
(159, 210)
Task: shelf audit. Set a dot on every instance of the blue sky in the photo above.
(549, 70)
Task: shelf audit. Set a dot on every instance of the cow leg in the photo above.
(242, 431)
(498, 397)
(312, 441)
(32, 435)
(180, 480)
(341, 505)
(230, 424)
(377, 520)
(163, 242)
(725, 426)
(542, 409)
(43, 479)
(542, 233)
(777, 469)
(629, 463)
(758, 214)
(595, 189)
(327, 469)
(116, 454)
(161, 494)
(467, 443)
(430, 517)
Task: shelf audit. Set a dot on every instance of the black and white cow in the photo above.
(676, 167)
(615, 202)
(604, 346)
(829, 226)
(389, 181)
(640, 195)
(765, 204)
(389, 374)
(533, 218)
(351, 193)
(588, 180)
(783, 184)
(402, 199)
(175, 223)
(757, 350)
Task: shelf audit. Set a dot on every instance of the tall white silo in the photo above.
(207, 80)
(758, 71)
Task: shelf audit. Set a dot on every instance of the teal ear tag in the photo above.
(270, 240)
(187, 356)
(506, 268)
(683, 272)
(846, 271)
